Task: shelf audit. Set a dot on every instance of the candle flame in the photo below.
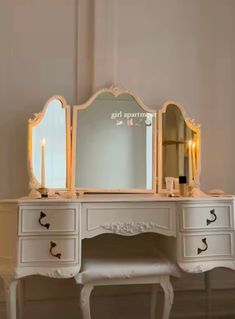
(43, 141)
(193, 144)
(190, 143)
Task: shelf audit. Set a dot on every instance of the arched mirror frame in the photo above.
(194, 127)
(115, 91)
(38, 117)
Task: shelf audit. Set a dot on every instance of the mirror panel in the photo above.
(114, 145)
(51, 128)
(180, 148)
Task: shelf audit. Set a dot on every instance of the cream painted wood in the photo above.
(196, 217)
(10, 288)
(129, 218)
(220, 246)
(48, 220)
(28, 252)
(85, 301)
(163, 280)
(36, 250)
(25, 249)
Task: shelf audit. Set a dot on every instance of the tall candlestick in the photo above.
(43, 164)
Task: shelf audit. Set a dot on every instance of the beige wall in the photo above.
(182, 50)
(160, 49)
(38, 59)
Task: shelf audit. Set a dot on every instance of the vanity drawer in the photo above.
(46, 220)
(129, 218)
(198, 217)
(210, 245)
(38, 250)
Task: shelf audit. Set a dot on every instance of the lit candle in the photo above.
(43, 164)
(190, 161)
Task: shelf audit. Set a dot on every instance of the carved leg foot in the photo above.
(168, 296)
(85, 301)
(10, 288)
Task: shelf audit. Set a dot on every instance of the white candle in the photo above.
(43, 164)
(190, 161)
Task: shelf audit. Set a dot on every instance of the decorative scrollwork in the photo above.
(129, 228)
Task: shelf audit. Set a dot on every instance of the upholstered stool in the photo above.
(124, 271)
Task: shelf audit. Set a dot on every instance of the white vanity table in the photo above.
(43, 236)
(51, 245)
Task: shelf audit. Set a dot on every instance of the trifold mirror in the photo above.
(113, 145)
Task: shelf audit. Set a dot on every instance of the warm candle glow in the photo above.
(43, 141)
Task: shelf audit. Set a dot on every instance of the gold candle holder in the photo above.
(43, 191)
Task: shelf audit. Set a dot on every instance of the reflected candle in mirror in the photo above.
(43, 164)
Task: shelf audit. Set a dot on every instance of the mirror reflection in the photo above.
(49, 146)
(114, 145)
(179, 143)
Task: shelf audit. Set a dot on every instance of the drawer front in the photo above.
(49, 250)
(218, 246)
(46, 220)
(195, 217)
(129, 218)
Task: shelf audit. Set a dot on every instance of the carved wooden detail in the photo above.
(129, 228)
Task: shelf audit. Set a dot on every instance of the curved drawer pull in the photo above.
(53, 245)
(199, 250)
(209, 221)
(43, 215)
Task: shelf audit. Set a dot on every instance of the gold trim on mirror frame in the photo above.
(34, 184)
(115, 91)
(194, 127)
